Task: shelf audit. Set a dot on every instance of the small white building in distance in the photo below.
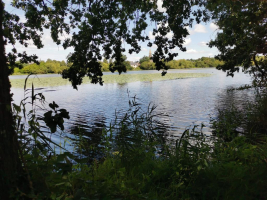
(134, 64)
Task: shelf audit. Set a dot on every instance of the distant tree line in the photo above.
(204, 62)
(106, 64)
(55, 67)
(45, 67)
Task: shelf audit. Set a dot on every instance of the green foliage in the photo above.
(105, 61)
(234, 172)
(147, 65)
(42, 166)
(144, 59)
(196, 167)
(203, 62)
(128, 65)
(191, 169)
(17, 71)
(243, 36)
(121, 65)
(227, 123)
(104, 66)
(101, 28)
(53, 66)
(248, 120)
(50, 66)
(191, 172)
(139, 162)
(109, 66)
(52, 121)
(53, 118)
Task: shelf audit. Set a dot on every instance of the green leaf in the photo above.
(16, 107)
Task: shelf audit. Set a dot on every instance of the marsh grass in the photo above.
(138, 163)
(246, 118)
(114, 78)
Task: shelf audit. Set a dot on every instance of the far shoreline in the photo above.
(108, 72)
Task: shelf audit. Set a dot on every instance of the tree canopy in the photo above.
(242, 35)
(101, 25)
(144, 59)
(97, 26)
(147, 65)
(92, 26)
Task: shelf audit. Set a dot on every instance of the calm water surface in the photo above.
(182, 102)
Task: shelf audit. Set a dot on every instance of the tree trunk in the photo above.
(10, 165)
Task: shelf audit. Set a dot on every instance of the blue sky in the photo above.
(195, 43)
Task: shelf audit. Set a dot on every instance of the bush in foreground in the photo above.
(139, 163)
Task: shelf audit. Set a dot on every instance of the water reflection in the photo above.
(231, 108)
(233, 97)
(87, 137)
(182, 102)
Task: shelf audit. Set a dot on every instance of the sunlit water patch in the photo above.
(181, 102)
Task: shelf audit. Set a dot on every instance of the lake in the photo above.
(181, 102)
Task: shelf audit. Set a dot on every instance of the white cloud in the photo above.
(154, 46)
(151, 36)
(169, 35)
(160, 8)
(64, 36)
(50, 50)
(133, 58)
(199, 28)
(189, 29)
(187, 41)
(213, 26)
(144, 49)
(211, 54)
(53, 52)
(47, 40)
(191, 51)
(204, 44)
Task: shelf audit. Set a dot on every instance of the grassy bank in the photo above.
(120, 79)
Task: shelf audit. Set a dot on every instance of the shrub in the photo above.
(147, 65)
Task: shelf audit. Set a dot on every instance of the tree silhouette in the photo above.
(93, 26)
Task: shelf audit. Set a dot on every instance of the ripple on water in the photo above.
(182, 102)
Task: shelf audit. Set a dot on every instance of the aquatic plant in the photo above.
(138, 162)
(120, 79)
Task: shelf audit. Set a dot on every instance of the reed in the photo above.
(108, 79)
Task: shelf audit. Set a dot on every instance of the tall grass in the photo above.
(248, 120)
(193, 167)
(138, 162)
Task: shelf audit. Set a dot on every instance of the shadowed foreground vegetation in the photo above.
(137, 161)
(121, 79)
